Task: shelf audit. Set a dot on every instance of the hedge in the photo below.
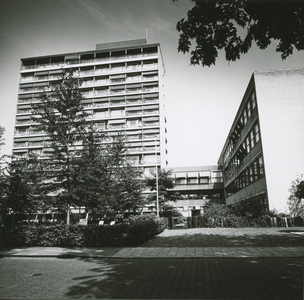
(132, 231)
(233, 221)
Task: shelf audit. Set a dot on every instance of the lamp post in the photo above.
(156, 176)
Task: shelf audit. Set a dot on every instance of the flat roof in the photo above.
(106, 47)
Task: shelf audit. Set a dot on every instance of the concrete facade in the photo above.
(280, 95)
(122, 86)
(263, 152)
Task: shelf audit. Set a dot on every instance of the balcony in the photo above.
(22, 122)
(88, 61)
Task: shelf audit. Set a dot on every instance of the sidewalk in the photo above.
(209, 242)
(157, 252)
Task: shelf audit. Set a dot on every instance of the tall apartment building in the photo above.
(122, 86)
(263, 152)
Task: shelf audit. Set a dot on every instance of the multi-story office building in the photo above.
(123, 92)
(263, 152)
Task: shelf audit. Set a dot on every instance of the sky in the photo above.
(201, 102)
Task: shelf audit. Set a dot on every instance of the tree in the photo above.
(296, 198)
(60, 115)
(233, 25)
(20, 185)
(126, 187)
(106, 181)
(165, 183)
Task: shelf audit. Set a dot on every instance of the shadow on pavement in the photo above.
(200, 237)
(276, 278)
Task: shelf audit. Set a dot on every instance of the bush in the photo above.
(104, 236)
(144, 227)
(131, 231)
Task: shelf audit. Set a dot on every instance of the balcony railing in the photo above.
(87, 61)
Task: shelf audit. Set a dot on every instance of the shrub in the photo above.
(143, 227)
(131, 231)
(104, 236)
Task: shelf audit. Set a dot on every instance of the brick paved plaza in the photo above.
(124, 273)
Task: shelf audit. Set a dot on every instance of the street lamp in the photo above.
(156, 176)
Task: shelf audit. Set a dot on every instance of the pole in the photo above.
(156, 176)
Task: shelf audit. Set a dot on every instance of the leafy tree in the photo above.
(126, 187)
(106, 181)
(60, 115)
(90, 171)
(165, 183)
(20, 184)
(296, 198)
(233, 26)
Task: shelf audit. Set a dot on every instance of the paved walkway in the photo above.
(190, 243)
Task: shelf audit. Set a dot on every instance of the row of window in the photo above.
(106, 112)
(108, 79)
(111, 124)
(149, 97)
(251, 174)
(200, 195)
(202, 180)
(245, 115)
(86, 58)
(140, 159)
(248, 144)
(104, 90)
(130, 134)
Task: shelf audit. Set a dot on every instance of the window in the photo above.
(99, 114)
(192, 180)
(134, 65)
(251, 174)
(245, 116)
(257, 134)
(253, 100)
(249, 108)
(247, 144)
(256, 170)
(101, 125)
(180, 181)
(204, 180)
(132, 123)
(117, 113)
(133, 77)
(117, 67)
(252, 139)
(246, 177)
(261, 166)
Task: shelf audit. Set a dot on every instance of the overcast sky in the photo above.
(201, 102)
